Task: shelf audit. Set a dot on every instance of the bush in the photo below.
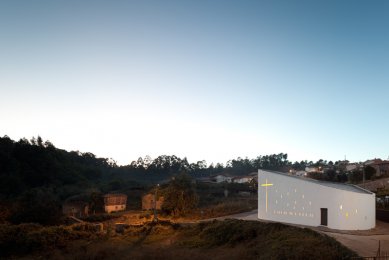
(26, 238)
(36, 206)
(99, 218)
(180, 196)
(267, 240)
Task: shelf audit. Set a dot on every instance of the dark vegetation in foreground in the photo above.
(229, 239)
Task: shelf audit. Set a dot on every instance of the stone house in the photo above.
(115, 202)
(222, 178)
(242, 179)
(148, 202)
(75, 208)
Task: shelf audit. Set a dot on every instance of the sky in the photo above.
(206, 80)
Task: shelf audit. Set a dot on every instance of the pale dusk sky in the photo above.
(209, 80)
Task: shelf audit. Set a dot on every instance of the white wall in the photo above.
(294, 200)
(222, 178)
(112, 208)
(243, 180)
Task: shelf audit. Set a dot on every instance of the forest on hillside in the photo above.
(36, 177)
(28, 164)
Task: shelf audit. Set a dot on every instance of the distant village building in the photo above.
(379, 184)
(301, 173)
(351, 167)
(115, 202)
(75, 208)
(381, 166)
(242, 179)
(303, 201)
(148, 202)
(313, 169)
(222, 178)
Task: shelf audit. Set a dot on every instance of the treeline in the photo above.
(36, 177)
(28, 164)
(172, 164)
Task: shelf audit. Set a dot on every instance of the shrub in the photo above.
(267, 240)
(99, 218)
(25, 238)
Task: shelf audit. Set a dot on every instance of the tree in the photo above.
(356, 176)
(180, 196)
(39, 141)
(37, 206)
(369, 172)
(330, 175)
(96, 202)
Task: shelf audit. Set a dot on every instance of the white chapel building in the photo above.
(303, 201)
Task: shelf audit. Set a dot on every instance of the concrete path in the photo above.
(251, 215)
(364, 243)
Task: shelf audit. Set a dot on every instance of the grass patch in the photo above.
(266, 240)
(26, 238)
(101, 217)
(229, 239)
